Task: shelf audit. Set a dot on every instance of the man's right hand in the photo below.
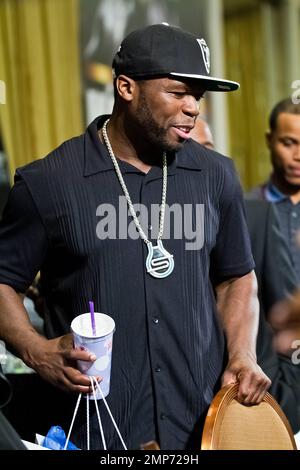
(55, 361)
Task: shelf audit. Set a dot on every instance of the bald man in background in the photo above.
(276, 279)
(202, 134)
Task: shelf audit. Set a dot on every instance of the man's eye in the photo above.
(288, 142)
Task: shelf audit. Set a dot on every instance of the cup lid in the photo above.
(82, 325)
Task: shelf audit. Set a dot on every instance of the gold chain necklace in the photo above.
(159, 262)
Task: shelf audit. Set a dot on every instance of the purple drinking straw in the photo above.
(91, 303)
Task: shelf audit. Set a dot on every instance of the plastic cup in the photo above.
(100, 345)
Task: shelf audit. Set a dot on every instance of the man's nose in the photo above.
(191, 106)
(297, 151)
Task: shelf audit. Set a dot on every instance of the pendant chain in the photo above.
(126, 193)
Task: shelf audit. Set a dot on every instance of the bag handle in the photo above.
(93, 383)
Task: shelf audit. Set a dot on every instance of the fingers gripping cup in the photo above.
(97, 340)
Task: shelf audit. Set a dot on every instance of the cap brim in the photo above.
(211, 83)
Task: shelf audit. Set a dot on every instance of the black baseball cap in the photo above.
(163, 50)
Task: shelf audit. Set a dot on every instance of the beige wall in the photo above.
(39, 63)
(262, 53)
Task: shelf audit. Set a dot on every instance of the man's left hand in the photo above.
(253, 382)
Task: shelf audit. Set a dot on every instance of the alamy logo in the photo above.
(296, 354)
(3, 353)
(296, 94)
(205, 53)
(2, 92)
(181, 222)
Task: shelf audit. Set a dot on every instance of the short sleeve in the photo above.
(23, 239)
(231, 256)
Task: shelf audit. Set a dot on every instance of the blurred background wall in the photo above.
(55, 75)
(39, 63)
(262, 39)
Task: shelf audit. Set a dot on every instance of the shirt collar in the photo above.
(272, 193)
(97, 159)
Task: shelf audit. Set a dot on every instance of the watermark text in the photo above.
(296, 94)
(181, 222)
(296, 353)
(2, 92)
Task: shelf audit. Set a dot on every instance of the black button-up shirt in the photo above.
(168, 346)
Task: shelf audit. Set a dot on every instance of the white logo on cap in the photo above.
(205, 53)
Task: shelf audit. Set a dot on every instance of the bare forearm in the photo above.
(15, 327)
(52, 359)
(239, 311)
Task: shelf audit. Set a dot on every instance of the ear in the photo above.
(268, 137)
(125, 87)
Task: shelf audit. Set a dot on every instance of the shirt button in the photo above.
(294, 214)
(162, 415)
(157, 369)
(150, 227)
(155, 320)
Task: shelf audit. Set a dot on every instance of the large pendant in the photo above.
(159, 262)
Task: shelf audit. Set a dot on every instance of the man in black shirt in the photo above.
(174, 282)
